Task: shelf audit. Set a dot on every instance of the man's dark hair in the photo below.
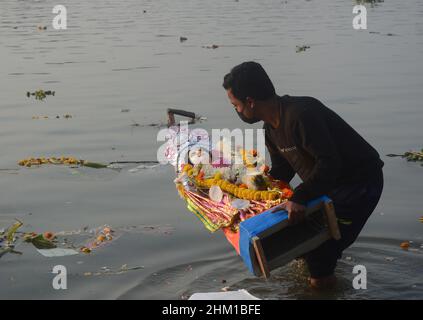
(249, 79)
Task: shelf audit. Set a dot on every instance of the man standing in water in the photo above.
(305, 137)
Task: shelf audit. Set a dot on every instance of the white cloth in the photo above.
(241, 294)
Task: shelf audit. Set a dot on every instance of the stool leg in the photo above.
(260, 257)
(332, 222)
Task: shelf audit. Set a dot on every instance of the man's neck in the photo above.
(271, 112)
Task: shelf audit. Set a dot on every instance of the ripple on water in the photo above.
(391, 273)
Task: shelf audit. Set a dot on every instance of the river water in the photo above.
(119, 55)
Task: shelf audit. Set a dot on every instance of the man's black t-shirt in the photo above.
(318, 145)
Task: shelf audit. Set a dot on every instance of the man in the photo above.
(305, 137)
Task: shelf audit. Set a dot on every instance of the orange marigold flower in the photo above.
(265, 169)
(200, 175)
(287, 193)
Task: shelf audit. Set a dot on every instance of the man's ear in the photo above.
(250, 102)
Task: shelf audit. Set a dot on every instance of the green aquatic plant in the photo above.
(12, 230)
(413, 156)
(9, 239)
(94, 165)
(40, 242)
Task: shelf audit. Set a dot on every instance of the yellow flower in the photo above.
(218, 176)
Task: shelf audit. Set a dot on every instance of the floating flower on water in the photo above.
(85, 250)
(40, 94)
(48, 235)
(405, 245)
(61, 160)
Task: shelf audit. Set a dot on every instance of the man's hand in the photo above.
(296, 212)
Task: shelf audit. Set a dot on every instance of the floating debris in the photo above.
(213, 46)
(85, 250)
(172, 112)
(385, 34)
(183, 39)
(70, 161)
(66, 116)
(39, 117)
(104, 271)
(302, 48)
(49, 235)
(413, 156)
(10, 234)
(63, 243)
(102, 236)
(135, 162)
(389, 259)
(158, 125)
(143, 167)
(405, 245)
(40, 94)
(40, 28)
(74, 162)
(39, 241)
(57, 252)
(125, 110)
(161, 230)
(8, 239)
(5, 250)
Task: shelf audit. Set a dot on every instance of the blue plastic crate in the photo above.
(267, 241)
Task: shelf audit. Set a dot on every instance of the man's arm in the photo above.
(281, 169)
(313, 135)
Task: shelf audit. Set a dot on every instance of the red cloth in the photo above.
(232, 237)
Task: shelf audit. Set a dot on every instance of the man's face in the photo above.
(244, 109)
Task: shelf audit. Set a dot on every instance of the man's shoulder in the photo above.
(298, 107)
(300, 103)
